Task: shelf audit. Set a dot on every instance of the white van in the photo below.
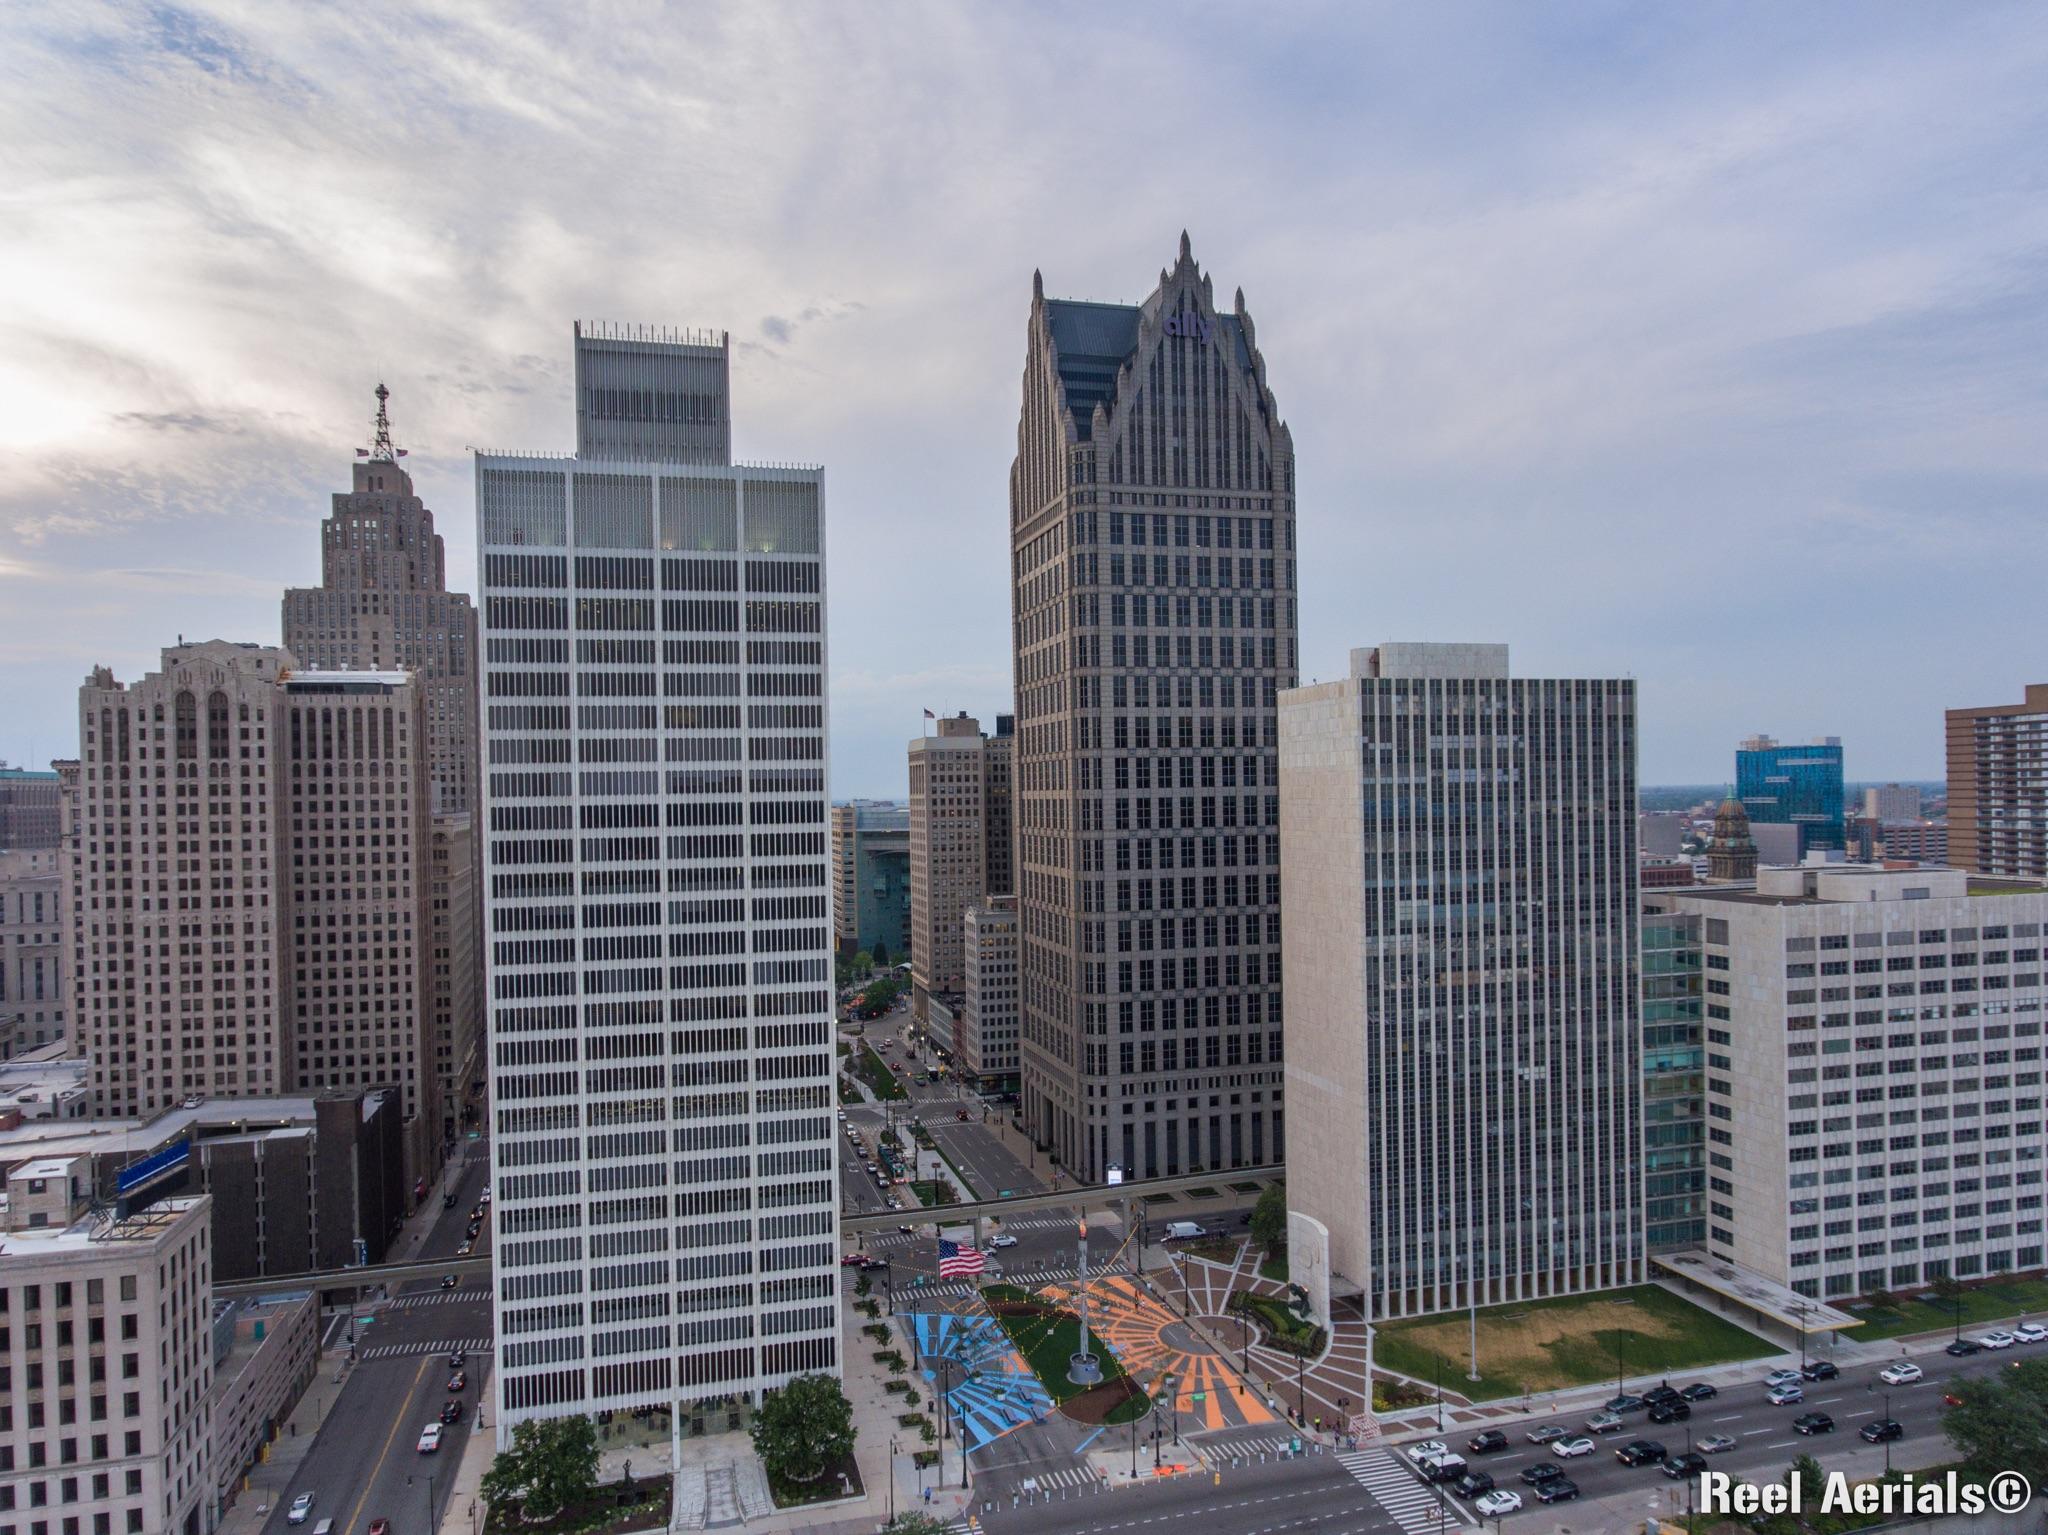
(1181, 1231)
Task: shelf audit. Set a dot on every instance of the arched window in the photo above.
(187, 729)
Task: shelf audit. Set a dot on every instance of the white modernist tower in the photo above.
(657, 901)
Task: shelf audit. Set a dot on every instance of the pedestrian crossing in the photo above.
(1412, 1503)
(437, 1298)
(954, 1289)
(425, 1346)
(1078, 1478)
(1249, 1447)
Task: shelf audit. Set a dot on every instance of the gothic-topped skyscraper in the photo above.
(1152, 535)
(383, 602)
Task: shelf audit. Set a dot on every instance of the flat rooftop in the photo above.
(1781, 1303)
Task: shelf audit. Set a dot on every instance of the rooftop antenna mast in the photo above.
(380, 450)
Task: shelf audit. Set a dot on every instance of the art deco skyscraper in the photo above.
(1463, 981)
(1152, 554)
(658, 906)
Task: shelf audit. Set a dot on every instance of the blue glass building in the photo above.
(1795, 785)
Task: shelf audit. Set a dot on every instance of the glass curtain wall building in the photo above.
(658, 904)
(1794, 785)
(1674, 1110)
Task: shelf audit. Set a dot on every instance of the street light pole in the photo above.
(892, 1478)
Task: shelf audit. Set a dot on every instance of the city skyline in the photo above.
(1696, 326)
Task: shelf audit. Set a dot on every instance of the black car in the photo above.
(457, 1360)
(450, 1411)
(1814, 1423)
(1670, 1412)
(1660, 1392)
(1883, 1429)
(1543, 1471)
(1699, 1391)
(1679, 1467)
(1471, 1484)
(1819, 1369)
(1640, 1452)
(1624, 1403)
(1962, 1348)
(1486, 1443)
(449, 1281)
(1559, 1489)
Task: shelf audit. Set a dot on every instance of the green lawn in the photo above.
(1048, 1342)
(1569, 1341)
(1991, 1302)
(1273, 1266)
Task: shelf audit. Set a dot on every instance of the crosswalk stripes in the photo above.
(426, 1346)
(437, 1298)
(1230, 1449)
(1412, 1504)
(1077, 1477)
(954, 1289)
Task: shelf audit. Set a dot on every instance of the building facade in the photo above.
(1152, 515)
(1873, 1075)
(1891, 802)
(455, 989)
(1674, 1084)
(1798, 786)
(1914, 841)
(28, 808)
(34, 964)
(871, 880)
(959, 826)
(1998, 787)
(1465, 1044)
(108, 1360)
(264, 1356)
(179, 945)
(987, 1049)
(658, 902)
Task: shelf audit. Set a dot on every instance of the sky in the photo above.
(1698, 344)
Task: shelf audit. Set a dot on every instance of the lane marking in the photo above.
(397, 1422)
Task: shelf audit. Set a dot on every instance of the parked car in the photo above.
(1670, 1412)
(1547, 1433)
(1559, 1489)
(1819, 1369)
(1640, 1452)
(1881, 1430)
(430, 1439)
(1814, 1423)
(1486, 1443)
(1700, 1391)
(1605, 1423)
(1784, 1396)
(1543, 1471)
(1625, 1403)
(301, 1507)
(1715, 1444)
(1996, 1338)
(1783, 1378)
(1472, 1484)
(2030, 1332)
(1962, 1348)
(1679, 1467)
(1572, 1449)
(1495, 1504)
(1904, 1373)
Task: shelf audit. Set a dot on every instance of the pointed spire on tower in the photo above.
(1037, 285)
(381, 450)
(1187, 249)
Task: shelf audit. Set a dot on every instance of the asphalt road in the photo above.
(365, 1463)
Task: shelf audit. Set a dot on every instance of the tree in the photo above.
(907, 1523)
(804, 1428)
(550, 1463)
(1949, 1291)
(1812, 1480)
(2002, 1423)
(1269, 1218)
(881, 954)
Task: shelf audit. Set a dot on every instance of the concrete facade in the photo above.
(1891, 802)
(658, 900)
(28, 808)
(1152, 517)
(1998, 786)
(35, 966)
(107, 1359)
(987, 1048)
(265, 1351)
(1464, 1061)
(1873, 1075)
(959, 824)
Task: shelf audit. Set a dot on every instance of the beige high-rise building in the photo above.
(254, 921)
(455, 986)
(34, 963)
(1152, 513)
(383, 604)
(110, 1351)
(959, 846)
(178, 949)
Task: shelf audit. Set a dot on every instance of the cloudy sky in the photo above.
(1703, 344)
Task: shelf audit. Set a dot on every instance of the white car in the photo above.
(302, 1506)
(1571, 1449)
(2030, 1332)
(1005, 1240)
(430, 1439)
(1425, 1450)
(1499, 1502)
(1996, 1339)
(1903, 1373)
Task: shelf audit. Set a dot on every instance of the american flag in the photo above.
(956, 1259)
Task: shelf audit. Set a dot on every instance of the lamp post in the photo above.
(1886, 1420)
(1800, 1313)
(1620, 1357)
(892, 1478)
(1439, 1391)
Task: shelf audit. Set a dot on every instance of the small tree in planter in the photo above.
(804, 1428)
(550, 1464)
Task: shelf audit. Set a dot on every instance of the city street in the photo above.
(365, 1464)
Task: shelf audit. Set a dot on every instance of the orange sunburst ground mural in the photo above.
(1155, 1344)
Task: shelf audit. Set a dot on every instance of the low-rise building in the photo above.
(265, 1350)
(1914, 841)
(44, 1083)
(1872, 1087)
(106, 1363)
